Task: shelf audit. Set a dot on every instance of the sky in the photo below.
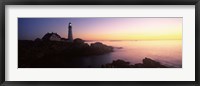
(135, 28)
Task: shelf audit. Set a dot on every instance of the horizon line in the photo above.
(118, 40)
(133, 40)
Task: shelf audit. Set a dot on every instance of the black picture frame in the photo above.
(98, 2)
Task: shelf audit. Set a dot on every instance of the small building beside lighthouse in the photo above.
(51, 37)
(55, 37)
(70, 36)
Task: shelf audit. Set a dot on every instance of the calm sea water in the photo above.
(167, 52)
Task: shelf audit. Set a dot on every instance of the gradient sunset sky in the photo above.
(103, 28)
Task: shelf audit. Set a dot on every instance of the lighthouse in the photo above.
(70, 37)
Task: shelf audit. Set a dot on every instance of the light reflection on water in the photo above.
(167, 52)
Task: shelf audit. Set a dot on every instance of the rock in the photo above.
(139, 65)
(147, 63)
(117, 64)
(121, 63)
(100, 48)
(78, 41)
(119, 47)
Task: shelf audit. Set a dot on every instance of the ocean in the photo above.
(167, 52)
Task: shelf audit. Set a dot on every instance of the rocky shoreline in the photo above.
(40, 53)
(147, 63)
(59, 54)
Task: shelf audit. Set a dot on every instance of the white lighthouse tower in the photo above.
(70, 37)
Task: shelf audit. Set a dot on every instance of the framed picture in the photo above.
(114, 42)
